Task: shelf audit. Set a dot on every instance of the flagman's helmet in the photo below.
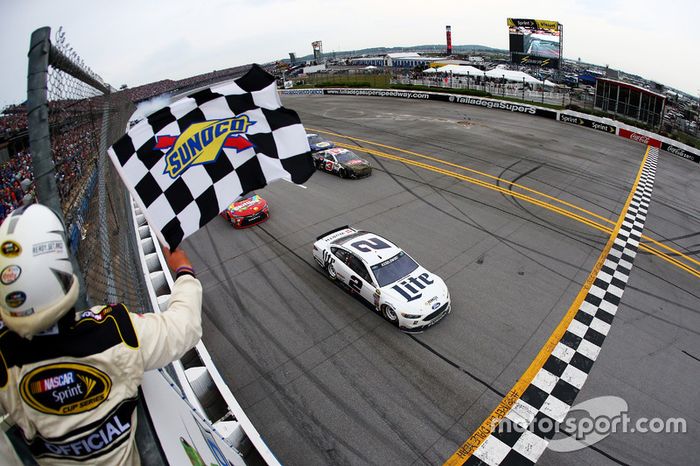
(37, 284)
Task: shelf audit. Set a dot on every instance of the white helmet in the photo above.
(37, 284)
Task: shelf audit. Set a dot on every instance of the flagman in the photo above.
(69, 377)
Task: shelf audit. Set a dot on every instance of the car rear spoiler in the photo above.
(332, 231)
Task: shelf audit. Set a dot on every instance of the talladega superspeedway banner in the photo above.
(418, 95)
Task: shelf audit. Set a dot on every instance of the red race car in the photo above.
(247, 212)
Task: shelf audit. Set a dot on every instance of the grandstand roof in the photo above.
(403, 55)
(643, 90)
(456, 69)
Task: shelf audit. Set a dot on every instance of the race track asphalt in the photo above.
(329, 382)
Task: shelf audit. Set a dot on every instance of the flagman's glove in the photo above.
(178, 262)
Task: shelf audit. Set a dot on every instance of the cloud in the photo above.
(136, 42)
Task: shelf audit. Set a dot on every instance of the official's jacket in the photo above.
(73, 389)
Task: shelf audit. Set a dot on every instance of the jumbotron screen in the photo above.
(535, 42)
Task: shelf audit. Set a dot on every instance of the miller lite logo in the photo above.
(202, 142)
(411, 288)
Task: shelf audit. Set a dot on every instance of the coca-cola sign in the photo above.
(625, 133)
(678, 152)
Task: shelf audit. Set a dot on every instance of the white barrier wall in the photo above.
(197, 383)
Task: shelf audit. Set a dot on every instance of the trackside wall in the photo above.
(198, 381)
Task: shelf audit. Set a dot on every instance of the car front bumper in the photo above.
(251, 220)
(419, 325)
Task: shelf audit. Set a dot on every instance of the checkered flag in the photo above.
(189, 161)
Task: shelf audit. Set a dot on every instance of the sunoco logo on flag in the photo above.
(202, 142)
(188, 161)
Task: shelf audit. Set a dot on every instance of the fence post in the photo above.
(543, 90)
(38, 119)
(39, 140)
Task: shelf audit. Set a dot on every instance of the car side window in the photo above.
(340, 254)
(359, 268)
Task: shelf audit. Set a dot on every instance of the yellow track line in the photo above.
(531, 200)
(478, 437)
(670, 259)
(493, 187)
(670, 249)
(543, 204)
(461, 167)
(534, 201)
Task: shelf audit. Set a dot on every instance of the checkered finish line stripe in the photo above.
(549, 397)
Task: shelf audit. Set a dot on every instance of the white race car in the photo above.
(405, 293)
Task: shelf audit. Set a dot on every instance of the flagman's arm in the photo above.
(167, 336)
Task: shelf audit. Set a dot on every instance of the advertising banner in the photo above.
(518, 24)
(585, 122)
(625, 133)
(379, 93)
(467, 100)
(502, 105)
(678, 152)
(302, 91)
(527, 59)
(535, 42)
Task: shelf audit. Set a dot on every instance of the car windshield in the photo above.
(393, 269)
(345, 157)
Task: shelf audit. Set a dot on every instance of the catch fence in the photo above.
(73, 117)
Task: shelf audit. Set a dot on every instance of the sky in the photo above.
(137, 42)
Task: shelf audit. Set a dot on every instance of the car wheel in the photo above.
(331, 271)
(343, 173)
(390, 313)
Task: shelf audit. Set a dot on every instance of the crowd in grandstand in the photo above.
(147, 91)
(74, 154)
(74, 149)
(15, 183)
(12, 121)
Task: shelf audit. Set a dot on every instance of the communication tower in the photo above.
(318, 51)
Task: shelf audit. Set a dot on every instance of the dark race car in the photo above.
(342, 162)
(318, 143)
(247, 212)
